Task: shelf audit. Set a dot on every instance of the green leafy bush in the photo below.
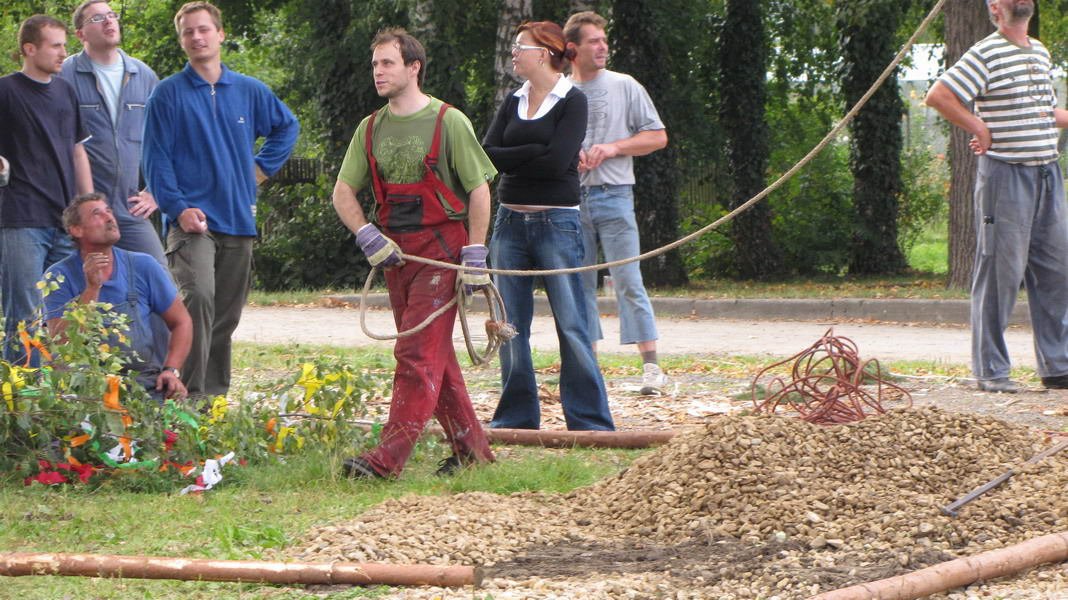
(303, 244)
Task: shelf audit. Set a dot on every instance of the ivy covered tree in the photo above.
(867, 29)
(642, 48)
(743, 71)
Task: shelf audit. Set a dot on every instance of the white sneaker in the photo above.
(653, 380)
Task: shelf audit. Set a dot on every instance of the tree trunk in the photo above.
(966, 23)
(513, 12)
(743, 70)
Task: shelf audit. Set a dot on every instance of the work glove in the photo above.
(474, 256)
(380, 250)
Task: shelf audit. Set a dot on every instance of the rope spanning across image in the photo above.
(828, 384)
(827, 139)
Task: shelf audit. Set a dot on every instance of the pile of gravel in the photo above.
(824, 506)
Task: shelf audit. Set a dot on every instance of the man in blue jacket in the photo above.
(113, 89)
(200, 160)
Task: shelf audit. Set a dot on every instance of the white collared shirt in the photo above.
(562, 87)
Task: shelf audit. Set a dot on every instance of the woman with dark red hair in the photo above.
(534, 142)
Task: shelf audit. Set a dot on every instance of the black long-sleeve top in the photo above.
(538, 158)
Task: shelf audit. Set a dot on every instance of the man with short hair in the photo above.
(429, 174)
(42, 138)
(622, 124)
(201, 163)
(135, 284)
(1021, 218)
(113, 89)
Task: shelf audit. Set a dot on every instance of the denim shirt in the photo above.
(115, 148)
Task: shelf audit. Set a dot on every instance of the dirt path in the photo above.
(885, 341)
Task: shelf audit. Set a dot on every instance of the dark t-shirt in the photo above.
(39, 125)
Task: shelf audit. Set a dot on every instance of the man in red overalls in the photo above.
(428, 174)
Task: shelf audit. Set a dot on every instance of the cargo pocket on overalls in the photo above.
(405, 212)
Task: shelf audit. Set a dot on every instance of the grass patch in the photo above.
(256, 513)
(930, 253)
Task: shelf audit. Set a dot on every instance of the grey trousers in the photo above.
(1022, 227)
(213, 272)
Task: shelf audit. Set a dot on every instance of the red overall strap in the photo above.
(431, 161)
(376, 180)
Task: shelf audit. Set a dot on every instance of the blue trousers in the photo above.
(608, 219)
(549, 239)
(25, 254)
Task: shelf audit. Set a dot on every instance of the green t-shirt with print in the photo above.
(401, 143)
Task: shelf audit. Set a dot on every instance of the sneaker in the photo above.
(451, 465)
(1001, 385)
(1057, 382)
(359, 468)
(653, 380)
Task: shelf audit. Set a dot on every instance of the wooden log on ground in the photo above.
(960, 572)
(548, 438)
(14, 564)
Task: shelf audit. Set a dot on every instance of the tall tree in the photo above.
(641, 48)
(867, 29)
(743, 71)
(966, 22)
(513, 12)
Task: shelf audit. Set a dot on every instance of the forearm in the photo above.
(348, 206)
(1060, 117)
(642, 143)
(178, 347)
(478, 214)
(83, 175)
(946, 103)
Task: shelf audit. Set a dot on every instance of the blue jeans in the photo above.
(550, 239)
(25, 253)
(608, 218)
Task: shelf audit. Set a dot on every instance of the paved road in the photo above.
(948, 344)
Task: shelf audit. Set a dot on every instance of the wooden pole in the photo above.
(959, 572)
(548, 438)
(15, 564)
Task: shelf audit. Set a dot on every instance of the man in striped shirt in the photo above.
(1021, 218)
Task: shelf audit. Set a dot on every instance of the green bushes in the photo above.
(303, 244)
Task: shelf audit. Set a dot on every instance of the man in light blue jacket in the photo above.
(201, 162)
(113, 89)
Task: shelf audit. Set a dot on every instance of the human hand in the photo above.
(379, 249)
(167, 382)
(5, 171)
(142, 204)
(474, 256)
(598, 153)
(95, 266)
(981, 142)
(583, 165)
(193, 220)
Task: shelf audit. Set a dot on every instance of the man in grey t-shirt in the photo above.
(622, 123)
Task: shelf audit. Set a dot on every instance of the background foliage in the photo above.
(316, 56)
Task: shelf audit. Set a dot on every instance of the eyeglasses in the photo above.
(103, 17)
(517, 47)
(1038, 87)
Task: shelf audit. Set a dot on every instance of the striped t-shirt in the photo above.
(1013, 95)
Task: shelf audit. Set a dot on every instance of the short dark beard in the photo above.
(1021, 12)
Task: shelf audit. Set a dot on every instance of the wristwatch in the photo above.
(174, 370)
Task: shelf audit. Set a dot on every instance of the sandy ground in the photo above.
(885, 341)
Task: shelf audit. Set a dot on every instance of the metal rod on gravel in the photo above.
(952, 508)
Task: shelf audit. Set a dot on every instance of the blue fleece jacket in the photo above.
(199, 149)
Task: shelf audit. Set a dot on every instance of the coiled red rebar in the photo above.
(828, 384)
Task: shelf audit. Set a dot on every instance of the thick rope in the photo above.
(827, 139)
